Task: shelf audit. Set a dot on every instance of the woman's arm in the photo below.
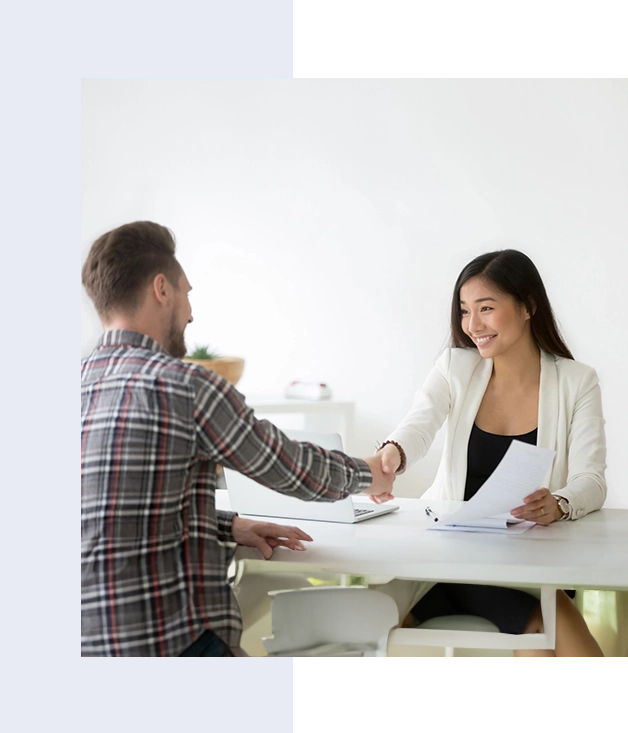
(415, 433)
(585, 489)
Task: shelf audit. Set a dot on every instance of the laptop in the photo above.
(249, 497)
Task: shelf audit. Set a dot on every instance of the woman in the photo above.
(508, 374)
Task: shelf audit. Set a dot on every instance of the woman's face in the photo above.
(494, 321)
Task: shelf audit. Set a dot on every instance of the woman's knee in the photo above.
(535, 622)
(564, 606)
(563, 602)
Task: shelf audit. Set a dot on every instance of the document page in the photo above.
(516, 526)
(519, 473)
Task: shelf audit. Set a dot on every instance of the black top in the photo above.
(485, 452)
(510, 609)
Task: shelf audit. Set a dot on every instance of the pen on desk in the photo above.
(431, 514)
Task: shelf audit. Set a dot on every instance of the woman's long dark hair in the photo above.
(513, 273)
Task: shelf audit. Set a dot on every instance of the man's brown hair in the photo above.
(123, 261)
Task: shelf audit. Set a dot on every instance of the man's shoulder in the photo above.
(172, 369)
(146, 367)
(203, 383)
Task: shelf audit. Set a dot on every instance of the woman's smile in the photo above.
(483, 340)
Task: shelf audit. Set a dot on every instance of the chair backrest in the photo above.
(310, 618)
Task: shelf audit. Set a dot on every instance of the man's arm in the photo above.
(230, 434)
(263, 535)
(267, 535)
(225, 525)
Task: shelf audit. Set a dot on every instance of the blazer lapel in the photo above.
(548, 406)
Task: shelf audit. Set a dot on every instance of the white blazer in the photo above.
(570, 423)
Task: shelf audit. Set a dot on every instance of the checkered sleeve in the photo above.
(231, 435)
(225, 520)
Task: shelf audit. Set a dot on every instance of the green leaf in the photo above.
(203, 352)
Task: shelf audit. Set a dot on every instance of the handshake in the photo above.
(384, 465)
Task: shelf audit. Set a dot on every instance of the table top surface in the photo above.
(591, 552)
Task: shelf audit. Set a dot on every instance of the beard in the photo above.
(175, 341)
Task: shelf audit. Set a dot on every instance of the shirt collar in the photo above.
(124, 337)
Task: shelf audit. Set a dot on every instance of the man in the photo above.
(155, 550)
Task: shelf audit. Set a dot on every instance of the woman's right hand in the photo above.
(390, 458)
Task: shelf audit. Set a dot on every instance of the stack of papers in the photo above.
(499, 525)
(519, 473)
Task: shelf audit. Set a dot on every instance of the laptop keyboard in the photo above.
(362, 512)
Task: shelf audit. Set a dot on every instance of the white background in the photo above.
(322, 223)
(457, 38)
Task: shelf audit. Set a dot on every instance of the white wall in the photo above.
(322, 223)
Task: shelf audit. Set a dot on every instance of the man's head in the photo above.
(135, 281)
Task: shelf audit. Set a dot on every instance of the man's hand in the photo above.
(541, 507)
(266, 536)
(383, 477)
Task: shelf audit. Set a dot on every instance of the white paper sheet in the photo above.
(519, 473)
(497, 525)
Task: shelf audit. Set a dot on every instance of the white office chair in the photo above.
(252, 593)
(473, 632)
(330, 622)
(356, 621)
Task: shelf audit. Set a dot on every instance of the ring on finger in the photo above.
(542, 511)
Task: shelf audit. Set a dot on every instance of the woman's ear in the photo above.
(531, 308)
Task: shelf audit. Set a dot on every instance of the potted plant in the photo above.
(229, 367)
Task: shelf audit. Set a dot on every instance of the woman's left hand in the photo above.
(540, 507)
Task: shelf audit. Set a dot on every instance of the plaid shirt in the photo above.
(155, 551)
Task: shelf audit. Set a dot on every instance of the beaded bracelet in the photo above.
(402, 453)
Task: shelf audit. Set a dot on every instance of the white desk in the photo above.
(591, 553)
